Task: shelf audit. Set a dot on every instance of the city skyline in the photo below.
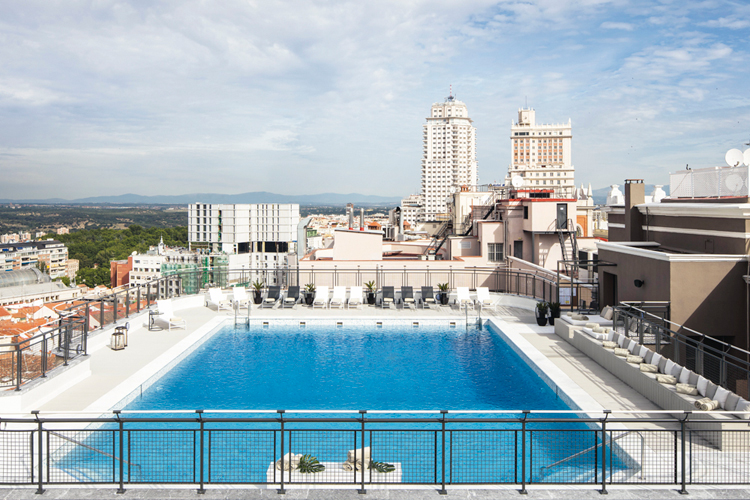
(181, 97)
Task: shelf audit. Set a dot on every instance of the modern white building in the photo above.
(449, 158)
(541, 155)
(411, 208)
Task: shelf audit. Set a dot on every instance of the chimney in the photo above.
(635, 194)
(350, 211)
(361, 219)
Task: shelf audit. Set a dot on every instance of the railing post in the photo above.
(66, 344)
(114, 308)
(201, 490)
(281, 490)
(138, 299)
(86, 324)
(523, 453)
(18, 366)
(101, 313)
(40, 461)
(365, 465)
(44, 355)
(604, 452)
(443, 491)
(683, 491)
(121, 490)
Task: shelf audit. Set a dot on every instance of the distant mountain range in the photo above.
(255, 197)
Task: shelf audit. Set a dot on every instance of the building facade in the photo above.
(541, 155)
(51, 255)
(449, 158)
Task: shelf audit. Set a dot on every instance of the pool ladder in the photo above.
(238, 318)
(473, 321)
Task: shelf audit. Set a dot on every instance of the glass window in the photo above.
(495, 252)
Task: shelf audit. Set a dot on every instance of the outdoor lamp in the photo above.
(639, 283)
(117, 342)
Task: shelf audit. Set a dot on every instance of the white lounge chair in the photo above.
(166, 315)
(355, 297)
(218, 300)
(321, 297)
(484, 300)
(339, 297)
(240, 297)
(463, 297)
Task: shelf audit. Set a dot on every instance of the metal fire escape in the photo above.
(566, 231)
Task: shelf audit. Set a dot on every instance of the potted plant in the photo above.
(554, 312)
(309, 294)
(443, 287)
(541, 313)
(370, 292)
(258, 291)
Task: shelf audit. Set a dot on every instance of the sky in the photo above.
(105, 97)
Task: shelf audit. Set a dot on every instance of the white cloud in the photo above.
(608, 25)
(728, 22)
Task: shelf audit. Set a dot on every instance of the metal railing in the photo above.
(722, 363)
(30, 356)
(442, 449)
(709, 182)
(27, 359)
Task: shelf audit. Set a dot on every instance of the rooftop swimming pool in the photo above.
(401, 368)
(351, 368)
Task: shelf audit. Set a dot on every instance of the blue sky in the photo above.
(110, 97)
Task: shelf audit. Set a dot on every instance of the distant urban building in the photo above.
(258, 236)
(411, 208)
(119, 271)
(28, 285)
(449, 158)
(63, 230)
(71, 269)
(541, 155)
(51, 255)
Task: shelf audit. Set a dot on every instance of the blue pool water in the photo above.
(346, 368)
(352, 368)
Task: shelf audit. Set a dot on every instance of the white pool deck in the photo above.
(106, 377)
(115, 374)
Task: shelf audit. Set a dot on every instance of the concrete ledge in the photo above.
(519, 302)
(34, 394)
(661, 395)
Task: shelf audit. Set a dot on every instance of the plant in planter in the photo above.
(382, 467)
(309, 294)
(443, 287)
(541, 313)
(308, 464)
(258, 291)
(554, 312)
(370, 292)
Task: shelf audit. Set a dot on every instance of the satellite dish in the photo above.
(453, 189)
(734, 158)
(746, 155)
(734, 183)
(517, 181)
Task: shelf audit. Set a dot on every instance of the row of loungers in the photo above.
(352, 297)
(699, 392)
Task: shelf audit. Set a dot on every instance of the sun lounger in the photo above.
(484, 300)
(218, 300)
(274, 293)
(292, 297)
(388, 297)
(355, 297)
(407, 297)
(463, 298)
(428, 297)
(321, 297)
(339, 297)
(166, 315)
(240, 297)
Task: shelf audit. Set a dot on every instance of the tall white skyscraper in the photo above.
(541, 154)
(449, 158)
